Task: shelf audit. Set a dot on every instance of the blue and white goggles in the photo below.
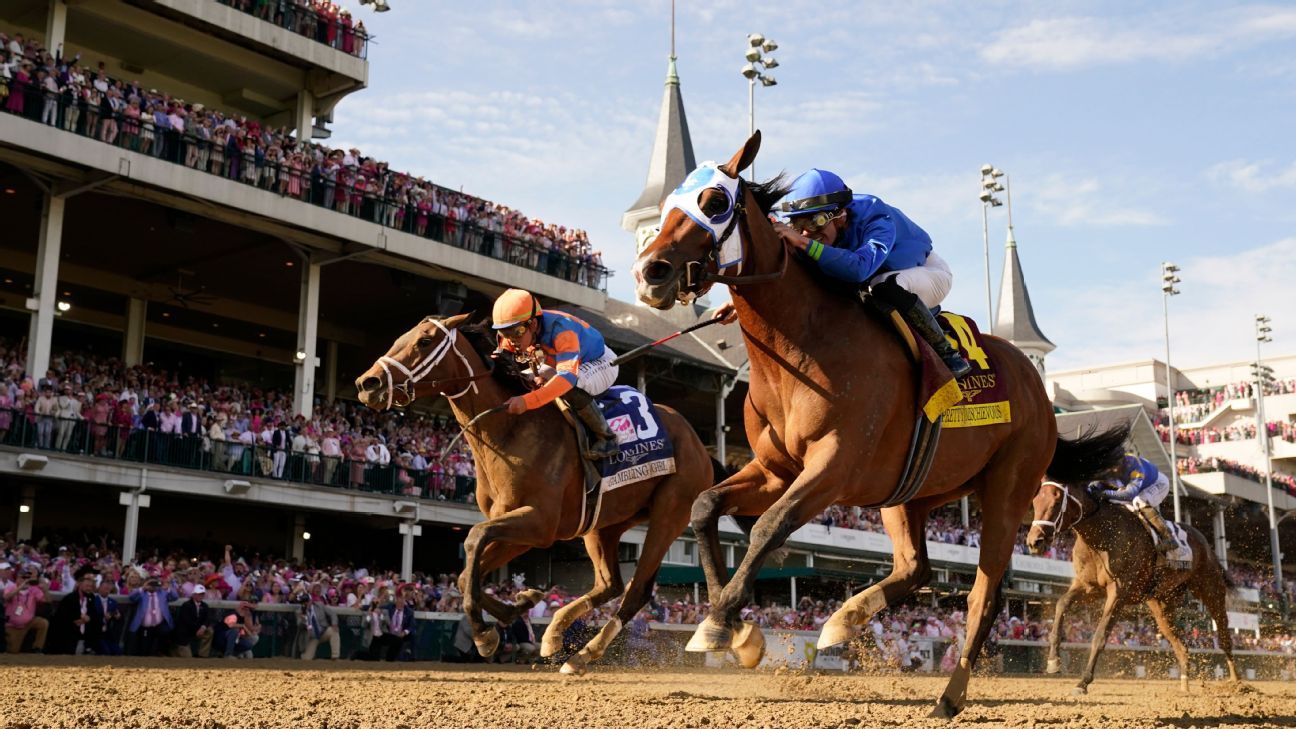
(687, 198)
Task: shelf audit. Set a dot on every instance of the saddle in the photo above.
(593, 478)
(1181, 556)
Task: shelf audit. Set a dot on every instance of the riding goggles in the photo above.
(517, 331)
(812, 223)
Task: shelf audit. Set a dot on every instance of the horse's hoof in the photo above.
(487, 643)
(1079, 690)
(709, 637)
(1183, 683)
(945, 709)
(835, 632)
(1054, 666)
(551, 645)
(528, 599)
(749, 645)
(575, 666)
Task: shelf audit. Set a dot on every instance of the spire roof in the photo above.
(1015, 320)
(672, 153)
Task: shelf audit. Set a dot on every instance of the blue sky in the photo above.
(1133, 133)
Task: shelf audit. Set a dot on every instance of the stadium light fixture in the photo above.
(1264, 379)
(989, 186)
(306, 536)
(63, 306)
(299, 356)
(753, 72)
(1169, 277)
(24, 508)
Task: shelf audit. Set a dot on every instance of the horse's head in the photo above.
(419, 355)
(1057, 507)
(699, 219)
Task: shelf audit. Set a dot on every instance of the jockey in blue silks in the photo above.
(1136, 481)
(862, 240)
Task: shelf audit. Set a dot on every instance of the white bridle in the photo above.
(426, 365)
(1066, 497)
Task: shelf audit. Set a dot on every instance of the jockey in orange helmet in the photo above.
(566, 352)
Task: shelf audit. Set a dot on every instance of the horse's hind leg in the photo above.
(1211, 590)
(1167, 626)
(601, 546)
(910, 570)
(666, 520)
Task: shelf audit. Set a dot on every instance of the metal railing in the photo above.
(198, 452)
(341, 189)
(299, 17)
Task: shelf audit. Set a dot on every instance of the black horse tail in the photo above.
(1088, 456)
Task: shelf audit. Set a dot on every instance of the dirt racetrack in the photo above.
(38, 691)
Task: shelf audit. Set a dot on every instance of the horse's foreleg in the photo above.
(1171, 633)
(801, 502)
(998, 534)
(1054, 664)
(910, 570)
(523, 527)
(601, 546)
(665, 522)
(494, 556)
(1111, 608)
(751, 490)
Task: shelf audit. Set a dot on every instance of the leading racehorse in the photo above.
(830, 413)
(1114, 559)
(530, 481)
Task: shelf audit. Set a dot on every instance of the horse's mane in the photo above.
(769, 192)
(505, 370)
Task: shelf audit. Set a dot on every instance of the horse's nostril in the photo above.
(369, 384)
(658, 272)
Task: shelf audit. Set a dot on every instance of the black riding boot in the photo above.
(1158, 522)
(924, 322)
(604, 443)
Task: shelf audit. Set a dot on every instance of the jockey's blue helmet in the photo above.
(814, 191)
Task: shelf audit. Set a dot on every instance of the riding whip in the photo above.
(446, 451)
(643, 348)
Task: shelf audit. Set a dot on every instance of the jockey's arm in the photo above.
(858, 265)
(567, 363)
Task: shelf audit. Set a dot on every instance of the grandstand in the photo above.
(186, 235)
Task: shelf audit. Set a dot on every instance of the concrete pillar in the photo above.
(307, 331)
(330, 370)
(720, 421)
(304, 116)
(133, 341)
(408, 531)
(1221, 541)
(55, 25)
(130, 534)
(641, 378)
(794, 595)
(963, 511)
(45, 289)
(298, 539)
(26, 513)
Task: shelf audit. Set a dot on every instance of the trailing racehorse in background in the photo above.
(530, 481)
(830, 415)
(1114, 558)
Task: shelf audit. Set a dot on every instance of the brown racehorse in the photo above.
(1114, 559)
(830, 413)
(530, 482)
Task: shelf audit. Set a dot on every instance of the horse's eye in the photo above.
(717, 203)
(425, 342)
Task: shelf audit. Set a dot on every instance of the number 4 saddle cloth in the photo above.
(980, 398)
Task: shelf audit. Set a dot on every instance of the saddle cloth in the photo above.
(985, 398)
(1181, 556)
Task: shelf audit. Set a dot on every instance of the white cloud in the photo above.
(1211, 321)
(1251, 176)
(1071, 202)
(1076, 42)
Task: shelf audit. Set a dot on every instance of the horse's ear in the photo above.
(457, 320)
(743, 158)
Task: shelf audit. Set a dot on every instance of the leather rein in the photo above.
(1056, 522)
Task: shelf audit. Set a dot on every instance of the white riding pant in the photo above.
(1153, 495)
(594, 376)
(930, 282)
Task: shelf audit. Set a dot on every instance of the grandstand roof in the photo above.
(1015, 320)
(626, 326)
(672, 154)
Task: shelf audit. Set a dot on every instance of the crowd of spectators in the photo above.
(1242, 470)
(944, 526)
(1192, 406)
(65, 93)
(1278, 430)
(98, 406)
(323, 21)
